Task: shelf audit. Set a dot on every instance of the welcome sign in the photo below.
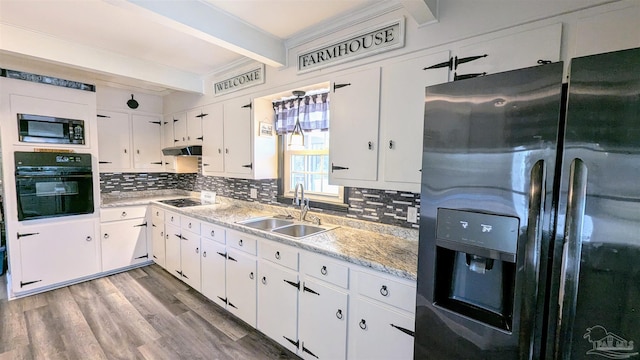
(383, 38)
(246, 78)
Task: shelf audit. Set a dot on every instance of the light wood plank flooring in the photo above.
(144, 313)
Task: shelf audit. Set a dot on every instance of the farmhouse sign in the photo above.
(373, 41)
(251, 77)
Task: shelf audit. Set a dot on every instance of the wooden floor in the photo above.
(141, 314)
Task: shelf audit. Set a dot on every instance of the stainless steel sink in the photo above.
(266, 223)
(286, 227)
(298, 230)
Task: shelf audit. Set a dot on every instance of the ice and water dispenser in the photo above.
(476, 265)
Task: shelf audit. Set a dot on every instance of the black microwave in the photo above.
(49, 129)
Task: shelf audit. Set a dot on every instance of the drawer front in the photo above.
(122, 213)
(172, 218)
(190, 224)
(388, 291)
(157, 214)
(279, 254)
(242, 242)
(212, 232)
(321, 267)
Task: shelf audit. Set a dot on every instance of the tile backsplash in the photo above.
(382, 206)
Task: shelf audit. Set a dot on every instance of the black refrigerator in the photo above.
(530, 214)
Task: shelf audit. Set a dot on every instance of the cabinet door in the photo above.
(213, 143)
(194, 125)
(606, 32)
(157, 238)
(190, 259)
(323, 322)
(378, 332)
(213, 264)
(124, 243)
(54, 253)
(402, 115)
(172, 248)
(278, 304)
(237, 135)
(114, 136)
(147, 142)
(167, 131)
(180, 129)
(353, 146)
(241, 286)
(511, 52)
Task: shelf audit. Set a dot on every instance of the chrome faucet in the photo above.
(304, 203)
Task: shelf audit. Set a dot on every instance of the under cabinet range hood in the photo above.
(191, 150)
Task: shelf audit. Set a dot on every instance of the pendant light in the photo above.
(296, 139)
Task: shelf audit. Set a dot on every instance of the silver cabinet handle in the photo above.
(264, 280)
(323, 271)
(277, 255)
(89, 238)
(339, 314)
(189, 225)
(124, 214)
(106, 236)
(213, 233)
(204, 254)
(197, 250)
(240, 242)
(363, 324)
(384, 291)
(251, 275)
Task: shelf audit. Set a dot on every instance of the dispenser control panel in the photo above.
(494, 232)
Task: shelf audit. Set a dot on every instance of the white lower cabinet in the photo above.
(278, 304)
(241, 285)
(46, 262)
(214, 274)
(190, 258)
(381, 324)
(322, 321)
(158, 252)
(379, 332)
(123, 233)
(172, 248)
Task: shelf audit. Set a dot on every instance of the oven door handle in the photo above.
(41, 176)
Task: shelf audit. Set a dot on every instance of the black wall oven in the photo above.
(50, 184)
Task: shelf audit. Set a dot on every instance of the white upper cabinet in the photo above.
(232, 146)
(402, 117)
(168, 138)
(213, 141)
(180, 129)
(195, 118)
(129, 143)
(353, 145)
(611, 31)
(514, 51)
(114, 138)
(147, 142)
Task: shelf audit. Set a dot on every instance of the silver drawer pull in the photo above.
(264, 280)
(106, 236)
(251, 275)
(363, 324)
(339, 314)
(384, 291)
(323, 271)
(89, 238)
(277, 255)
(213, 233)
(240, 242)
(124, 214)
(197, 250)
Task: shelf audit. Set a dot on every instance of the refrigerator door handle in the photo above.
(572, 250)
(537, 191)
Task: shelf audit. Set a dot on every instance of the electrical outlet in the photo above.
(412, 214)
(253, 193)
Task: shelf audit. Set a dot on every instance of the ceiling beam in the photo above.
(204, 21)
(423, 11)
(51, 49)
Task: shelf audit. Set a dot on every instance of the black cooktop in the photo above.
(182, 202)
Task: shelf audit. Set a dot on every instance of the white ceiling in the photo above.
(160, 45)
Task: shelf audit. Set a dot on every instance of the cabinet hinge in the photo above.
(26, 234)
(143, 224)
(28, 283)
(232, 259)
(176, 120)
(459, 61)
(103, 116)
(295, 343)
(304, 349)
(224, 255)
(336, 167)
(457, 77)
(201, 115)
(156, 163)
(155, 257)
(249, 105)
(339, 86)
(104, 162)
(250, 166)
(543, 62)
(453, 62)
(305, 288)
(294, 284)
(145, 256)
(230, 304)
(200, 138)
(448, 64)
(156, 122)
(222, 299)
(406, 331)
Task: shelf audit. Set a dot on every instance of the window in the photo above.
(308, 164)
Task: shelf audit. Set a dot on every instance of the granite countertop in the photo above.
(385, 248)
